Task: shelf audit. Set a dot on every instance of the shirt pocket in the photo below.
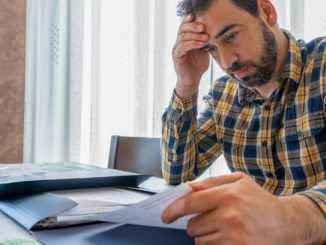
(303, 127)
(301, 148)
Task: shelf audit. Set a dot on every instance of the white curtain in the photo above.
(130, 69)
(113, 73)
(305, 19)
(54, 54)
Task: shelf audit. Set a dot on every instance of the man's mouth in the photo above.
(241, 73)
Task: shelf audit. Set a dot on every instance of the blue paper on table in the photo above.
(109, 234)
(29, 210)
(21, 179)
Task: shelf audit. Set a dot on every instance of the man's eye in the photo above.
(232, 36)
(209, 48)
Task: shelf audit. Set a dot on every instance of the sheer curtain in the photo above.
(53, 80)
(305, 19)
(129, 70)
(97, 68)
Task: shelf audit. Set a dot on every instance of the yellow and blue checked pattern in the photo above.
(280, 142)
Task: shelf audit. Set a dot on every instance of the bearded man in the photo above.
(267, 118)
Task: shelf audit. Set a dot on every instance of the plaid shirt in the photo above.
(280, 142)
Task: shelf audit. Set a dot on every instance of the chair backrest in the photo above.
(136, 154)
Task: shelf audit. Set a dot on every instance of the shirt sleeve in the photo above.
(189, 146)
(318, 195)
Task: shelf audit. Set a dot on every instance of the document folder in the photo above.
(23, 187)
(22, 179)
(98, 234)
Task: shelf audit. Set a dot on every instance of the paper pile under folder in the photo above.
(91, 202)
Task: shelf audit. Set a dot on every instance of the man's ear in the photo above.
(267, 11)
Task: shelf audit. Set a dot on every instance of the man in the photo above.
(267, 117)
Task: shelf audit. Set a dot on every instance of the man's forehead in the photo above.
(221, 16)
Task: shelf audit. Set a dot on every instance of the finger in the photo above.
(187, 18)
(191, 27)
(216, 181)
(188, 36)
(187, 25)
(204, 224)
(213, 238)
(184, 47)
(193, 203)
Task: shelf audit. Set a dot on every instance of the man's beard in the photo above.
(265, 70)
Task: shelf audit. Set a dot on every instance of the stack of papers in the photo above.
(116, 205)
(149, 211)
(93, 201)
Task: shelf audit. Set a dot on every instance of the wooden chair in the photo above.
(136, 154)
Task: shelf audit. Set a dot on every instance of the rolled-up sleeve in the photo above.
(186, 152)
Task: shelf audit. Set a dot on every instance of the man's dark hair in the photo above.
(200, 6)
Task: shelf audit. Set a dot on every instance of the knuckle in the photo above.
(199, 241)
(186, 46)
(191, 228)
(194, 43)
(241, 238)
(182, 36)
(235, 220)
(185, 204)
(240, 174)
(232, 195)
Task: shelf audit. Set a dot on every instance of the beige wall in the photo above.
(12, 79)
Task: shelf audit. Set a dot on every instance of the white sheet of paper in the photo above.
(104, 194)
(148, 212)
(155, 184)
(87, 207)
(95, 201)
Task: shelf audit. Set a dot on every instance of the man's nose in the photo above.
(227, 57)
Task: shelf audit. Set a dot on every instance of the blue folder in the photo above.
(62, 176)
(124, 235)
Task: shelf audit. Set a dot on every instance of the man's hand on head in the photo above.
(190, 60)
(234, 209)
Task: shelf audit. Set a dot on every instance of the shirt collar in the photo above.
(292, 70)
(293, 65)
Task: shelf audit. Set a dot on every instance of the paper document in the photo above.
(104, 194)
(148, 212)
(155, 185)
(92, 201)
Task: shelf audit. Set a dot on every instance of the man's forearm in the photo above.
(184, 91)
(304, 222)
(178, 121)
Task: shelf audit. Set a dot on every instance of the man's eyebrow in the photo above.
(221, 33)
